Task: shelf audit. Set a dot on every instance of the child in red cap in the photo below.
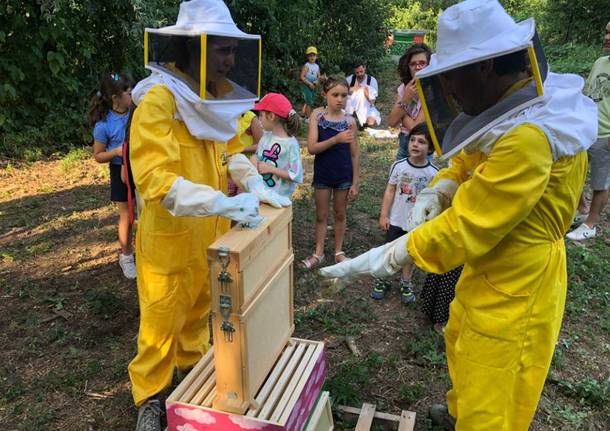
(278, 156)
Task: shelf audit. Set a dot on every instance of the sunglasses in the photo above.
(418, 63)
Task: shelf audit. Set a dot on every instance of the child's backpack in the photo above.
(353, 81)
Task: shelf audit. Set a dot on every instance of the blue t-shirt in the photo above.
(111, 132)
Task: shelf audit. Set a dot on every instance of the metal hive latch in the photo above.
(226, 303)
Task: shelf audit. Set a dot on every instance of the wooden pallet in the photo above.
(368, 414)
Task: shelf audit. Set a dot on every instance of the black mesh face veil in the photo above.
(215, 67)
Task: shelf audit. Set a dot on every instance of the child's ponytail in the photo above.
(292, 124)
(113, 84)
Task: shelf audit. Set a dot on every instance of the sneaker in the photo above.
(440, 416)
(149, 416)
(380, 289)
(582, 232)
(406, 292)
(128, 265)
(579, 218)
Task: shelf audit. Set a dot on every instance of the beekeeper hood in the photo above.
(211, 67)
(470, 32)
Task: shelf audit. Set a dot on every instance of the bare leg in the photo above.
(339, 210)
(407, 272)
(322, 198)
(582, 204)
(124, 228)
(598, 202)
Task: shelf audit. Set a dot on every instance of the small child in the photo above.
(108, 113)
(310, 76)
(333, 140)
(278, 157)
(408, 177)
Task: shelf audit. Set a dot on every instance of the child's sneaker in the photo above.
(406, 292)
(128, 265)
(380, 289)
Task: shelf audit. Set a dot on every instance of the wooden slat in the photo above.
(355, 411)
(366, 417)
(198, 383)
(208, 401)
(176, 395)
(287, 396)
(304, 377)
(282, 382)
(269, 384)
(205, 389)
(407, 421)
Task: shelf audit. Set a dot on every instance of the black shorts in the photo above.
(393, 233)
(118, 189)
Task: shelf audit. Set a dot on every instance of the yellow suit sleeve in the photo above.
(154, 151)
(460, 168)
(501, 193)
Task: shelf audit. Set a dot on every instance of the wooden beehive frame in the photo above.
(369, 414)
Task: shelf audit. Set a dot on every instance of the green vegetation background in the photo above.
(53, 52)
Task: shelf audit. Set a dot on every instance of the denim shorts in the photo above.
(335, 186)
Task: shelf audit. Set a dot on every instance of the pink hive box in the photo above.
(283, 403)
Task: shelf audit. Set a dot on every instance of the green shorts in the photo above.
(308, 94)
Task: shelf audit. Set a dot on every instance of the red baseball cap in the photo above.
(276, 103)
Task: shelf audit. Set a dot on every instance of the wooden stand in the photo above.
(368, 414)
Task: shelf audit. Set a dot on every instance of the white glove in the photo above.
(186, 198)
(245, 175)
(430, 202)
(379, 262)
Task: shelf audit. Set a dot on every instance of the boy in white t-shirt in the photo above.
(408, 177)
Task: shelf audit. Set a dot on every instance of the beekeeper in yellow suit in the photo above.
(182, 129)
(501, 208)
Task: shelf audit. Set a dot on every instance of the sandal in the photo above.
(313, 261)
(340, 257)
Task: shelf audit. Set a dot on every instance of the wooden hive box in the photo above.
(251, 275)
(250, 257)
(283, 403)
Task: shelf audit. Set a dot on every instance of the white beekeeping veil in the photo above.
(212, 68)
(470, 32)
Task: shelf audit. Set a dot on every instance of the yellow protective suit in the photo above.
(171, 260)
(506, 223)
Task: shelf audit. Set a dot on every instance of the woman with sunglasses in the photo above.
(407, 111)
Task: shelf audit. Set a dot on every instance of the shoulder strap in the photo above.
(368, 79)
(353, 81)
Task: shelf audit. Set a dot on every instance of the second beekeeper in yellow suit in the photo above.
(518, 136)
(184, 124)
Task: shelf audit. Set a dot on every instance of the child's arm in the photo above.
(304, 80)
(386, 206)
(268, 168)
(354, 150)
(102, 156)
(315, 147)
(409, 122)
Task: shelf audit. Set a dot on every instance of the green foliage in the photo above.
(73, 158)
(53, 54)
(103, 302)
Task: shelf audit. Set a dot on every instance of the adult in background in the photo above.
(598, 89)
(508, 196)
(407, 111)
(363, 91)
(180, 151)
